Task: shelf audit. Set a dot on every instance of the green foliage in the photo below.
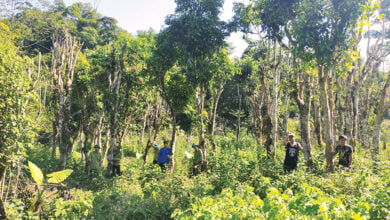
(55, 177)
(58, 177)
(36, 173)
(228, 205)
(79, 207)
(189, 56)
(15, 210)
(241, 184)
(16, 100)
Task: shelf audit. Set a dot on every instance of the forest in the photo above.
(77, 90)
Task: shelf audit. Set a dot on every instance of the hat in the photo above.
(291, 134)
(343, 137)
(155, 146)
(96, 146)
(195, 145)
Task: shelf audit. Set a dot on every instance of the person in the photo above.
(95, 161)
(197, 160)
(155, 155)
(345, 152)
(164, 156)
(117, 156)
(292, 153)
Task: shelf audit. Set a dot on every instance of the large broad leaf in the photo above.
(36, 173)
(58, 177)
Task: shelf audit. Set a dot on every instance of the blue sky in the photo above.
(134, 15)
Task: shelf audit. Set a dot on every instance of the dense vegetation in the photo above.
(71, 78)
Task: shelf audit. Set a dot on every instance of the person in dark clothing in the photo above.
(345, 152)
(117, 156)
(164, 155)
(198, 160)
(292, 153)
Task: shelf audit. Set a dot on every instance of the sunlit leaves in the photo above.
(55, 177)
(15, 92)
(36, 173)
(58, 177)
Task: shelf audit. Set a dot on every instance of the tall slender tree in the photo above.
(65, 52)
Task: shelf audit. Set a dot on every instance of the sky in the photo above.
(136, 15)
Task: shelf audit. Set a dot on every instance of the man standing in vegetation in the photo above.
(292, 153)
(164, 156)
(345, 152)
(95, 161)
(117, 156)
(155, 154)
(197, 160)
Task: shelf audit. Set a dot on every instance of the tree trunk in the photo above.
(383, 106)
(317, 123)
(304, 104)
(144, 123)
(326, 100)
(286, 115)
(54, 136)
(200, 99)
(2, 172)
(213, 116)
(267, 126)
(100, 127)
(106, 145)
(114, 80)
(173, 142)
(238, 127)
(355, 121)
(84, 150)
(341, 110)
(349, 106)
(364, 120)
(267, 132)
(275, 103)
(64, 58)
(155, 128)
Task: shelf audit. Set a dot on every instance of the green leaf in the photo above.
(36, 173)
(58, 177)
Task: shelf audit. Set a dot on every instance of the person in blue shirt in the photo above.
(164, 156)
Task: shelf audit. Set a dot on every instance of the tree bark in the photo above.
(200, 101)
(326, 100)
(303, 99)
(286, 115)
(275, 101)
(173, 142)
(317, 123)
(213, 115)
(155, 129)
(364, 119)
(238, 126)
(383, 106)
(115, 80)
(3, 168)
